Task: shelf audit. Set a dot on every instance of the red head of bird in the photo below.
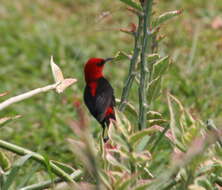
(94, 69)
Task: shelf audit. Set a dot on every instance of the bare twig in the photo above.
(60, 85)
(26, 95)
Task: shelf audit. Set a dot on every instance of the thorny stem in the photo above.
(145, 72)
(132, 70)
(39, 158)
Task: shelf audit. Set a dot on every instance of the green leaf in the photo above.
(160, 67)
(142, 186)
(48, 167)
(165, 17)
(129, 107)
(154, 89)
(173, 126)
(137, 137)
(156, 121)
(206, 183)
(142, 157)
(132, 4)
(155, 144)
(49, 183)
(142, 144)
(4, 161)
(6, 120)
(105, 179)
(153, 115)
(32, 169)
(126, 182)
(112, 160)
(66, 168)
(14, 171)
(119, 131)
(117, 137)
(121, 56)
(155, 85)
(176, 132)
(153, 57)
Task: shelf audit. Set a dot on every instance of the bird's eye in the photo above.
(100, 63)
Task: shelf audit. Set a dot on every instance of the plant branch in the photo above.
(26, 95)
(60, 85)
(145, 72)
(49, 183)
(39, 158)
(132, 70)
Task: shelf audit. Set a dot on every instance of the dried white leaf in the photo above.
(56, 71)
(195, 187)
(64, 84)
(5, 119)
(217, 23)
(3, 94)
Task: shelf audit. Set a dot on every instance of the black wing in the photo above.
(89, 100)
(103, 99)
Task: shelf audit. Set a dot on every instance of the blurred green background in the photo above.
(73, 31)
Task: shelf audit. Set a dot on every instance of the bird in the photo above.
(98, 94)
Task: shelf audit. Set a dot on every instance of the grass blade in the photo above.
(14, 171)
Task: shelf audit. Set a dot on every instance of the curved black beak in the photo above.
(108, 59)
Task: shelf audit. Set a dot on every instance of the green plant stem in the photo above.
(159, 139)
(218, 180)
(132, 70)
(49, 183)
(39, 158)
(144, 71)
(170, 184)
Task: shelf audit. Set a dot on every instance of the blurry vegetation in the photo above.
(73, 31)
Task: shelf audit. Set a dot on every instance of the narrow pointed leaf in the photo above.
(14, 171)
(4, 161)
(56, 71)
(165, 17)
(153, 57)
(117, 138)
(132, 4)
(127, 183)
(154, 89)
(153, 115)
(137, 137)
(3, 94)
(5, 120)
(129, 107)
(173, 125)
(121, 56)
(112, 160)
(68, 169)
(155, 85)
(160, 67)
(49, 183)
(105, 180)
